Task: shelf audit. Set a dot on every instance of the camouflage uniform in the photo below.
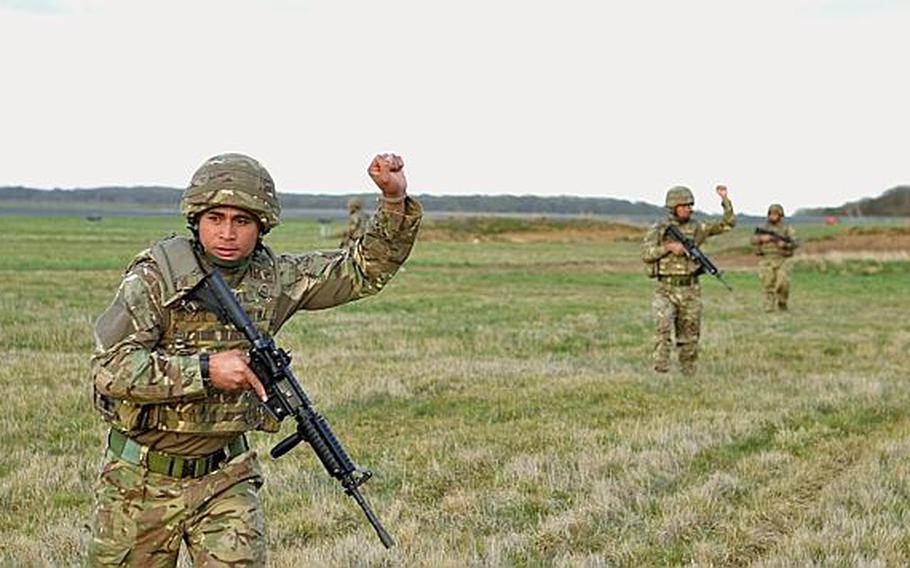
(677, 302)
(178, 468)
(357, 223)
(774, 263)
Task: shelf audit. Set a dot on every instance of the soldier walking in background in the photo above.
(357, 223)
(775, 243)
(174, 382)
(677, 298)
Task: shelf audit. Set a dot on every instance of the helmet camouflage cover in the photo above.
(679, 195)
(355, 203)
(233, 180)
(776, 207)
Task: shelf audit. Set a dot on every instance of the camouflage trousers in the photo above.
(775, 280)
(141, 518)
(677, 311)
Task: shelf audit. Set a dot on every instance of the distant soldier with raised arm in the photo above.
(174, 382)
(775, 243)
(677, 303)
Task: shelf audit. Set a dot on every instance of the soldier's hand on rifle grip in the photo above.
(230, 371)
(676, 248)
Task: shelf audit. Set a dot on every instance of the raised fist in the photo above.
(387, 171)
(722, 191)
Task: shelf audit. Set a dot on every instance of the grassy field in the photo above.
(501, 392)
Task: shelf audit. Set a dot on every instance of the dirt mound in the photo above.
(530, 230)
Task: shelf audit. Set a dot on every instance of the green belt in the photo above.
(679, 280)
(130, 451)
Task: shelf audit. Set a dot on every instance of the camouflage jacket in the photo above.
(145, 367)
(660, 262)
(776, 247)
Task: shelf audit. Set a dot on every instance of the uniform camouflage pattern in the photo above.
(774, 264)
(677, 310)
(357, 223)
(233, 180)
(179, 331)
(145, 367)
(141, 518)
(677, 298)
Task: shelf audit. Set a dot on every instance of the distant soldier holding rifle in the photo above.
(677, 298)
(775, 243)
(180, 387)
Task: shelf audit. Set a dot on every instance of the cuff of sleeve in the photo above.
(412, 208)
(395, 221)
(191, 375)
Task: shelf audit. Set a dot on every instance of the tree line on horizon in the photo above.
(169, 198)
(894, 202)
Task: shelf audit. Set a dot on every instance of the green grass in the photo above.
(502, 395)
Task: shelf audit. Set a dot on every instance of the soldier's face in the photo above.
(683, 212)
(228, 233)
(773, 217)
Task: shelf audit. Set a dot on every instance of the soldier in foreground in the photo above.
(775, 243)
(175, 383)
(357, 223)
(677, 298)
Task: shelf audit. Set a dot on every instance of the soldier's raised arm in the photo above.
(128, 362)
(729, 220)
(324, 279)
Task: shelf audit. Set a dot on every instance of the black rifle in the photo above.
(705, 264)
(286, 397)
(773, 235)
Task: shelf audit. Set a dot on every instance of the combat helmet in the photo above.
(355, 204)
(776, 207)
(234, 180)
(679, 195)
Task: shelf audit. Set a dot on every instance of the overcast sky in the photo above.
(799, 101)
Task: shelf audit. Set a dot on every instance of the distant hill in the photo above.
(893, 203)
(169, 198)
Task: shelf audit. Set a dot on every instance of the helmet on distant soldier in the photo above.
(233, 180)
(776, 207)
(355, 204)
(679, 195)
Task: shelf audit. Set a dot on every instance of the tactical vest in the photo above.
(675, 265)
(190, 329)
